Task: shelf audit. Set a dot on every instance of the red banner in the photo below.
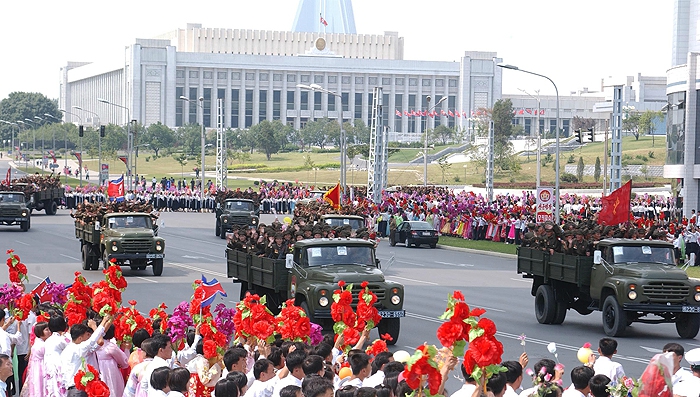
(616, 206)
(332, 196)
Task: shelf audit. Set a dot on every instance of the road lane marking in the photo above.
(70, 257)
(454, 264)
(651, 349)
(21, 242)
(199, 269)
(146, 279)
(521, 280)
(199, 253)
(532, 340)
(415, 281)
(198, 257)
(472, 304)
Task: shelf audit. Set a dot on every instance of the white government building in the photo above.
(256, 73)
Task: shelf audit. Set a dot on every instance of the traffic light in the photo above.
(578, 136)
(102, 131)
(591, 134)
(80, 131)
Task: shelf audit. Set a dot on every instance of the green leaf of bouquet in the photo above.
(475, 333)
(458, 348)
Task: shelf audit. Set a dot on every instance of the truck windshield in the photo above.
(339, 255)
(354, 223)
(239, 206)
(643, 254)
(130, 222)
(11, 198)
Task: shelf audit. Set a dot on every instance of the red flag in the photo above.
(541, 111)
(40, 291)
(528, 110)
(616, 206)
(413, 113)
(458, 114)
(405, 113)
(398, 114)
(79, 157)
(521, 111)
(123, 159)
(8, 176)
(464, 114)
(211, 288)
(443, 112)
(450, 113)
(115, 189)
(332, 196)
(323, 21)
(53, 156)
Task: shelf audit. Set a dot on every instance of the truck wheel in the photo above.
(218, 229)
(158, 267)
(559, 313)
(222, 233)
(614, 318)
(105, 261)
(24, 226)
(688, 325)
(391, 326)
(84, 257)
(94, 262)
(305, 307)
(51, 208)
(545, 305)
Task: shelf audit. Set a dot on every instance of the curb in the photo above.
(480, 252)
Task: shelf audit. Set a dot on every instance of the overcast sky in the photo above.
(576, 43)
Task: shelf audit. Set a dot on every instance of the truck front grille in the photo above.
(379, 291)
(662, 292)
(136, 246)
(239, 220)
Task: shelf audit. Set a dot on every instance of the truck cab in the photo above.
(14, 211)
(236, 212)
(338, 220)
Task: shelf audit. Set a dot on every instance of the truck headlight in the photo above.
(395, 299)
(697, 297)
(254, 221)
(632, 294)
(323, 301)
(24, 213)
(158, 246)
(225, 220)
(114, 247)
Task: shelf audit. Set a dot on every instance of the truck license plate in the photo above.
(154, 256)
(392, 313)
(691, 309)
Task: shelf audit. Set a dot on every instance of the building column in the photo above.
(691, 187)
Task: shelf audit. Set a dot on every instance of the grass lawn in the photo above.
(693, 271)
(406, 155)
(483, 245)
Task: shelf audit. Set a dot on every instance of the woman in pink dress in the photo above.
(111, 358)
(34, 382)
(54, 385)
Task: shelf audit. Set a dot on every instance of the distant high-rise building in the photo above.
(327, 16)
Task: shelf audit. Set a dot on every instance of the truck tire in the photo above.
(218, 229)
(545, 304)
(614, 318)
(305, 307)
(157, 267)
(559, 312)
(94, 261)
(105, 261)
(688, 325)
(24, 226)
(85, 257)
(222, 233)
(391, 326)
(51, 208)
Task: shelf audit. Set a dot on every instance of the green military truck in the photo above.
(236, 212)
(627, 280)
(128, 237)
(14, 211)
(47, 199)
(310, 275)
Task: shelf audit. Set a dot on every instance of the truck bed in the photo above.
(263, 272)
(565, 268)
(86, 232)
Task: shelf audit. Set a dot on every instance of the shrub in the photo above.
(571, 159)
(566, 177)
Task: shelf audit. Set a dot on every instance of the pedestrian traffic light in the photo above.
(102, 131)
(80, 131)
(591, 134)
(578, 136)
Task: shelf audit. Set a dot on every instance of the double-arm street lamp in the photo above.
(343, 143)
(425, 146)
(130, 139)
(200, 103)
(43, 150)
(556, 160)
(99, 142)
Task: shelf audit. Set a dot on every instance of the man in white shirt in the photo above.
(514, 377)
(361, 369)
(84, 341)
(690, 387)
(5, 372)
(380, 360)
(469, 385)
(164, 352)
(580, 376)
(679, 374)
(8, 339)
(604, 365)
(265, 379)
(293, 374)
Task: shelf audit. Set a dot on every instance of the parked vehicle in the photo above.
(416, 233)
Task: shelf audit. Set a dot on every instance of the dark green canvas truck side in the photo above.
(14, 211)
(129, 238)
(241, 213)
(627, 280)
(310, 275)
(47, 199)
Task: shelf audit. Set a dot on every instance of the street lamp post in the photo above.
(556, 160)
(12, 144)
(343, 144)
(130, 138)
(200, 103)
(43, 150)
(65, 147)
(99, 143)
(539, 136)
(425, 146)
(53, 132)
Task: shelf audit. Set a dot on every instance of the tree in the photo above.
(502, 116)
(182, 160)
(190, 138)
(647, 122)
(443, 134)
(444, 167)
(320, 133)
(630, 123)
(582, 123)
(270, 136)
(158, 136)
(596, 172)
(356, 131)
(26, 105)
(579, 169)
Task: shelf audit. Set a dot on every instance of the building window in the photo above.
(675, 129)
(426, 82)
(264, 77)
(179, 91)
(291, 78)
(277, 77)
(262, 109)
(399, 81)
(276, 104)
(221, 75)
(331, 103)
(398, 99)
(180, 74)
(370, 102)
(453, 82)
(192, 112)
(411, 120)
(207, 107)
(318, 79)
(385, 106)
(208, 75)
(386, 80)
(359, 80)
(248, 108)
(565, 125)
(235, 103)
(290, 100)
(305, 78)
(194, 74)
(439, 82)
(220, 96)
(332, 79)
(304, 100)
(317, 101)
(451, 104)
(250, 76)
(358, 106)
(236, 76)
(345, 99)
(345, 80)
(372, 81)
(413, 82)
(553, 125)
